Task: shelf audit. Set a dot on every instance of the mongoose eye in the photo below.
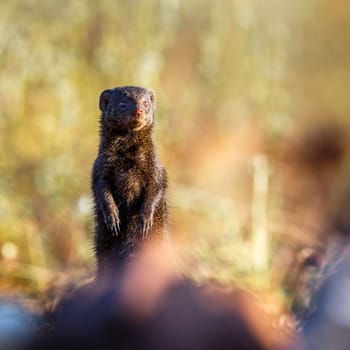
(145, 104)
(123, 105)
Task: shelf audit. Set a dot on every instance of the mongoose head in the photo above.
(127, 108)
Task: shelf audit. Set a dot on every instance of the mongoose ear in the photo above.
(104, 99)
(153, 98)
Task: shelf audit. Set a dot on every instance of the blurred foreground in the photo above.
(148, 305)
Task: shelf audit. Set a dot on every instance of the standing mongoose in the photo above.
(129, 183)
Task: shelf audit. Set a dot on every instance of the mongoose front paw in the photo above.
(146, 223)
(113, 224)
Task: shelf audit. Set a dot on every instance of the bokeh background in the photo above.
(251, 123)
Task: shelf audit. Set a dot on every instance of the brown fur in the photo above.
(128, 181)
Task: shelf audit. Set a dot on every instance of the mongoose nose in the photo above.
(139, 112)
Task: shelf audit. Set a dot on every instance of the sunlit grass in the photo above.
(232, 79)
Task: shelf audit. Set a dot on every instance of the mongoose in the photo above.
(129, 183)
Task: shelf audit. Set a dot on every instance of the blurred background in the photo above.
(251, 124)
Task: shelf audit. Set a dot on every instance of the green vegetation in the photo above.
(233, 79)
